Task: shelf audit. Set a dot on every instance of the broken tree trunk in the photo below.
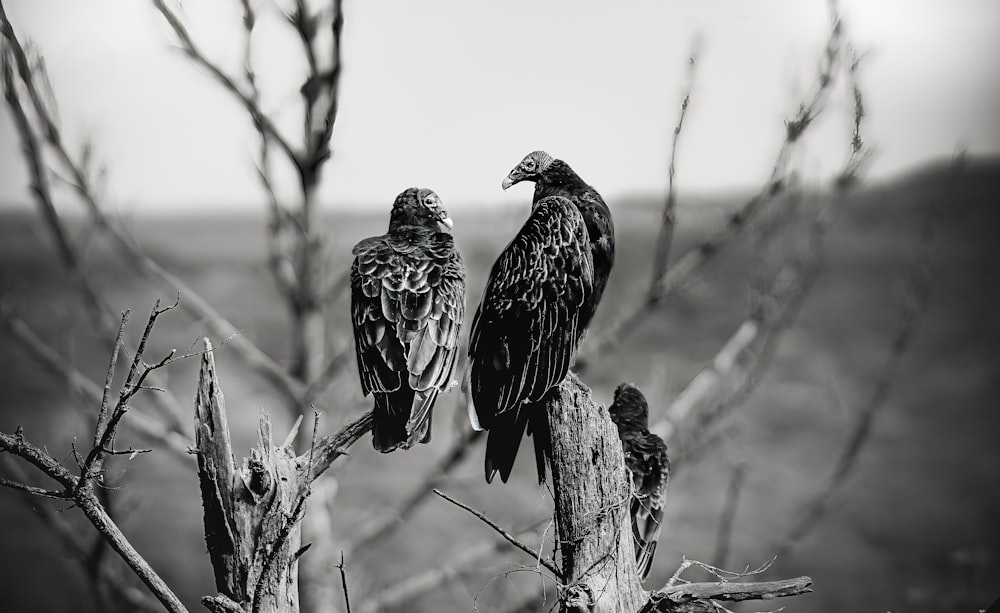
(252, 511)
(592, 491)
(592, 499)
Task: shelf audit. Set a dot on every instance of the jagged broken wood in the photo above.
(253, 512)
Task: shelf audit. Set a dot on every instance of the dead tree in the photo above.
(255, 512)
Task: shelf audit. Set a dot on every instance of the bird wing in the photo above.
(526, 330)
(407, 306)
(646, 458)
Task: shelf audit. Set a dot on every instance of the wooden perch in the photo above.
(592, 496)
(253, 512)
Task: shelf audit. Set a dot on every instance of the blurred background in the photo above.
(451, 95)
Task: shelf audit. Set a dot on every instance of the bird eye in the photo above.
(529, 165)
(429, 201)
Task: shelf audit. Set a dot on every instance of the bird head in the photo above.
(629, 408)
(418, 206)
(530, 168)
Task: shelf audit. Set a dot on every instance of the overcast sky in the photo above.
(450, 94)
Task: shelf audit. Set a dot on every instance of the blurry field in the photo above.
(916, 528)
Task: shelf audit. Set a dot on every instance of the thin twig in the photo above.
(549, 564)
(55, 362)
(34, 491)
(329, 448)
(343, 581)
(187, 44)
(103, 413)
(666, 238)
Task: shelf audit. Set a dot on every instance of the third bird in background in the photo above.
(646, 459)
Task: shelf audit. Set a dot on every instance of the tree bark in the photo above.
(592, 498)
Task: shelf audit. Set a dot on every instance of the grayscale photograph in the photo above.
(435, 306)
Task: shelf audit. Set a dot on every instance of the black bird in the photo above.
(646, 459)
(553, 177)
(407, 306)
(527, 328)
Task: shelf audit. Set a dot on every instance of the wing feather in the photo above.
(407, 304)
(525, 330)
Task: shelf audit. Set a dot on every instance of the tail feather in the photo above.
(503, 441)
(538, 430)
(646, 525)
(389, 423)
(402, 419)
(419, 424)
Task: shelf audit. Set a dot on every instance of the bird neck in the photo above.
(559, 174)
(400, 220)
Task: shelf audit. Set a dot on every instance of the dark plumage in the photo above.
(407, 306)
(553, 177)
(528, 327)
(646, 459)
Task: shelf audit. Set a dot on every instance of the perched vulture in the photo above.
(407, 305)
(528, 327)
(646, 459)
(554, 177)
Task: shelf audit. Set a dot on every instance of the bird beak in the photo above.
(448, 222)
(507, 183)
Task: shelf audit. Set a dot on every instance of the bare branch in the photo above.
(674, 276)
(106, 577)
(187, 44)
(88, 503)
(103, 413)
(667, 600)
(664, 242)
(737, 368)
(34, 491)
(329, 448)
(56, 363)
(547, 563)
(343, 581)
(107, 425)
(86, 500)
